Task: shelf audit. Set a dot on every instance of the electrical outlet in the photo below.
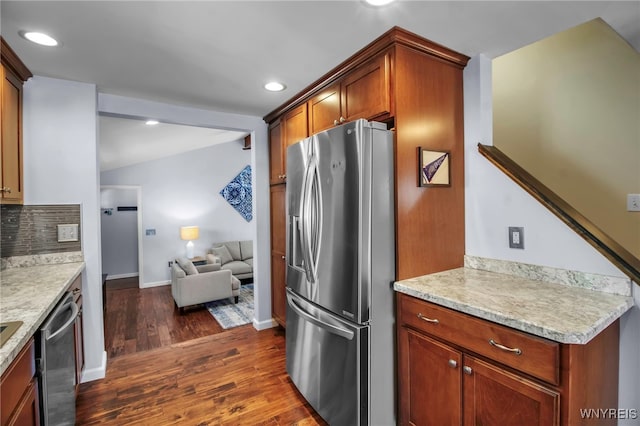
(516, 237)
(170, 263)
(633, 202)
(67, 232)
(150, 232)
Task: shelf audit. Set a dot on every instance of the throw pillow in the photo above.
(187, 265)
(223, 253)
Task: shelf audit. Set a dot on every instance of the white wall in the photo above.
(119, 232)
(494, 202)
(136, 108)
(184, 190)
(61, 166)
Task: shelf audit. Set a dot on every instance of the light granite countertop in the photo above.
(29, 294)
(563, 313)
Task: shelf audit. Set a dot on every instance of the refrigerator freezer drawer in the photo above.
(328, 362)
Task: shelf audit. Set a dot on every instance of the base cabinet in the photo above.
(444, 381)
(493, 395)
(19, 390)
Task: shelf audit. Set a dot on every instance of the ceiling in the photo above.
(217, 55)
(124, 142)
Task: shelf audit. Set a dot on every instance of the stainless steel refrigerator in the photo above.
(340, 267)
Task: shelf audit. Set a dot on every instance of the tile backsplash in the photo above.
(32, 230)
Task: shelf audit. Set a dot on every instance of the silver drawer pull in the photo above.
(453, 363)
(467, 370)
(516, 351)
(423, 318)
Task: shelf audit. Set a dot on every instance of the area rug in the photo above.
(229, 314)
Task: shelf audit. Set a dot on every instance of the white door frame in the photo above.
(138, 190)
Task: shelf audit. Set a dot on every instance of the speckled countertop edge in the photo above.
(557, 312)
(33, 302)
(597, 282)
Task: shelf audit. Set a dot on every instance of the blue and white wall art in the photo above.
(238, 193)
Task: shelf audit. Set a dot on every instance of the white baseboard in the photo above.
(89, 375)
(155, 284)
(263, 325)
(118, 276)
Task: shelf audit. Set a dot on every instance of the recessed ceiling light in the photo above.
(151, 122)
(274, 86)
(39, 38)
(378, 2)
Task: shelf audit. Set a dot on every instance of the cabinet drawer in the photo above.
(16, 380)
(536, 356)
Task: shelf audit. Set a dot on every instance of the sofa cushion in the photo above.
(238, 267)
(246, 249)
(249, 262)
(234, 249)
(209, 267)
(223, 253)
(187, 266)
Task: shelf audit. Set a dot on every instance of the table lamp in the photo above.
(189, 233)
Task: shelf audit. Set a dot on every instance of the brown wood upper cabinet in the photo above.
(362, 93)
(276, 154)
(13, 73)
(415, 85)
(365, 91)
(288, 130)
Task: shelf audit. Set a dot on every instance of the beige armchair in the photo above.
(192, 285)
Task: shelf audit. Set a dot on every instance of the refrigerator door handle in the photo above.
(331, 328)
(315, 218)
(305, 222)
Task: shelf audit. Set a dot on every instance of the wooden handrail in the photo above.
(607, 246)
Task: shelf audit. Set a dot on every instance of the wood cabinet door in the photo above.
(278, 219)
(324, 109)
(278, 252)
(366, 90)
(295, 126)
(278, 292)
(496, 397)
(28, 412)
(294, 129)
(11, 142)
(429, 381)
(276, 154)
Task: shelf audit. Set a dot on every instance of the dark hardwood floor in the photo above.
(138, 320)
(165, 368)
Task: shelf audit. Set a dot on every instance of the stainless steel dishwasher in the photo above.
(56, 364)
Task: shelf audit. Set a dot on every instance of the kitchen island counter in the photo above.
(558, 312)
(29, 294)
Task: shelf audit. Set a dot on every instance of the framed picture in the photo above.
(434, 168)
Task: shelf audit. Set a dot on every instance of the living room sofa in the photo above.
(234, 256)
(193, 285)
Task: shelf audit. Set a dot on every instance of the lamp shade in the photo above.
(189, 233)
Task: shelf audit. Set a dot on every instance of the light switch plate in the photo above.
(67, 232)
(516, 237)
(633, 202)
